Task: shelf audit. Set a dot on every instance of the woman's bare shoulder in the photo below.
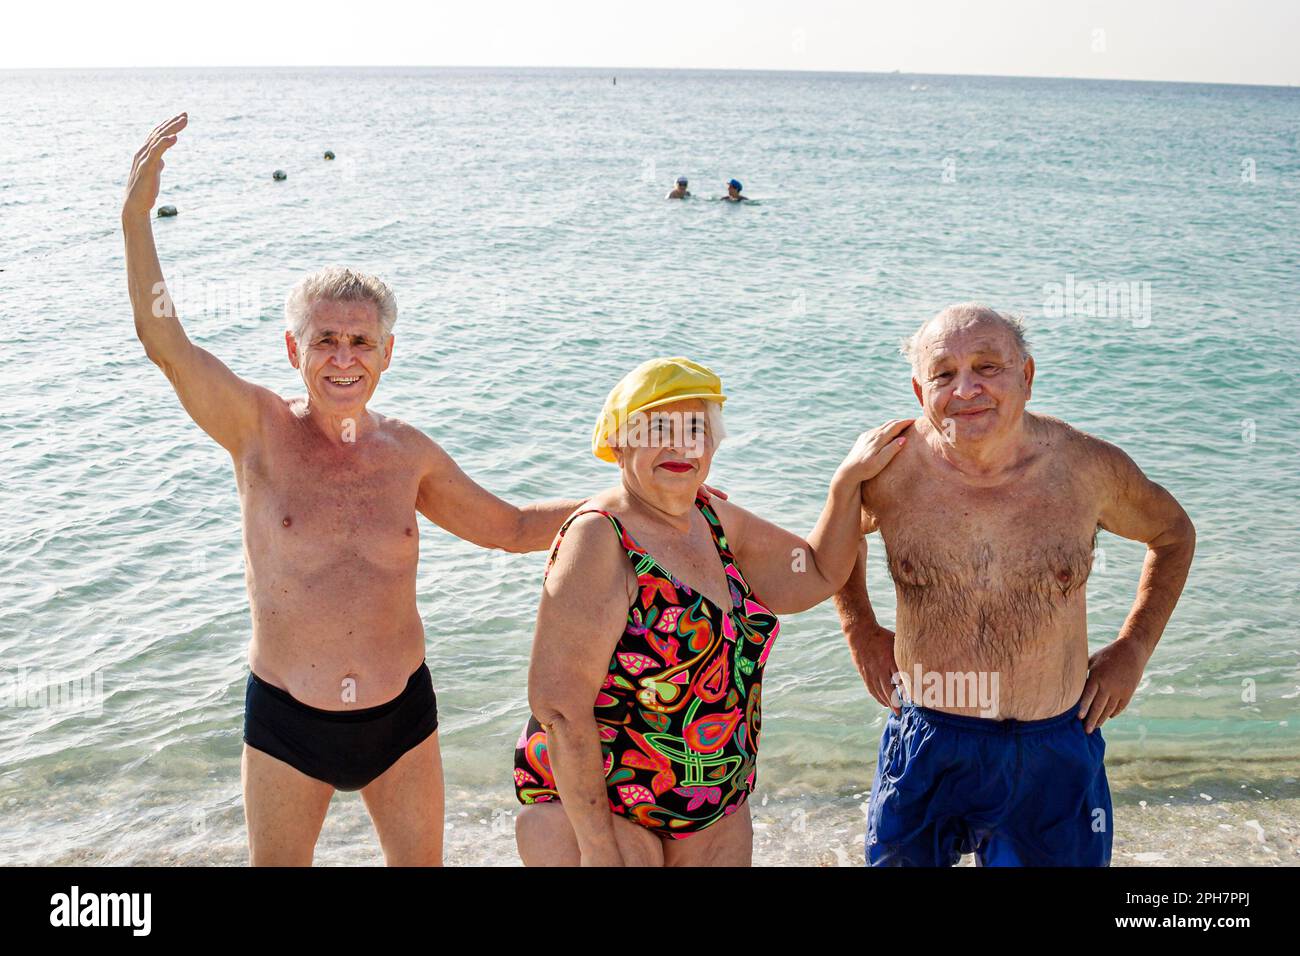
(590, 558)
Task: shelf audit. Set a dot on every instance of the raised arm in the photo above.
(456, 503)
(580, 619)
(791, 573)
(1135, 507)
(220, 402)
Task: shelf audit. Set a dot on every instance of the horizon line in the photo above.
(613, 71)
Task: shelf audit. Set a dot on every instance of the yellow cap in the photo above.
(656, 382)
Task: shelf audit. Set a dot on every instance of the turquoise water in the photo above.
(518, 215)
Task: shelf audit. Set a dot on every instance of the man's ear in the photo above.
(388, 352)
(916, 389)
(291, 344)
(1029, 377)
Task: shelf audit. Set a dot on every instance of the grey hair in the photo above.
(967, 313)
(712, 418)
(339, 284)
(713, 415)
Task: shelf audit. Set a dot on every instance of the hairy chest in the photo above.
(1022, 550)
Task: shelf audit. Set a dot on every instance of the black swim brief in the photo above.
(345, 748)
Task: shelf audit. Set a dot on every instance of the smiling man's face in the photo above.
(971, 378)
(341, 354)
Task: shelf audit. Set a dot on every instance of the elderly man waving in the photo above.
(338, 695)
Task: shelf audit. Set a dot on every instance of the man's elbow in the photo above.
(1178, 538)
(1189, 535)
(515, 538)
(159, 353)
(1183, 529)
(160, 359)
(147, 340)
(498, 532)
(151, 351)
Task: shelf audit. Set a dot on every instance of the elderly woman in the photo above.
(646, 612)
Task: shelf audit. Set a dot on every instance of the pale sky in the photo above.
(1223, 41)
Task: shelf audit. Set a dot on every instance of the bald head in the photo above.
(972, 373)
(969, 316)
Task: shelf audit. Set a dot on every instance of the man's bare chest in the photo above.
(325, 506)
(1030, 541)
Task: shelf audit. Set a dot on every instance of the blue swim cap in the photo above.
(682, 181)
(735, 184)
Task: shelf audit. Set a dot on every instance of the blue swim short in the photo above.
(1014, 793)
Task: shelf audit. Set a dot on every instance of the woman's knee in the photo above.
(544, 836)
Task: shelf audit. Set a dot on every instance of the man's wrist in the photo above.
(135, 219)
(1138, 641)
(860, 626)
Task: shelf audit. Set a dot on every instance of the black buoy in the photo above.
(329, 154)
(279, 174)
(165, 212)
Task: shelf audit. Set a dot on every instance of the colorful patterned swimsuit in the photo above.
(680, 710)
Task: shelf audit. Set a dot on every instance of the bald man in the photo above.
(989, 516)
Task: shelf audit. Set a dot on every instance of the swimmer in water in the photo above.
(733, 192)
(679, 191)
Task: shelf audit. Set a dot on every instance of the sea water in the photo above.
(1148, 233)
